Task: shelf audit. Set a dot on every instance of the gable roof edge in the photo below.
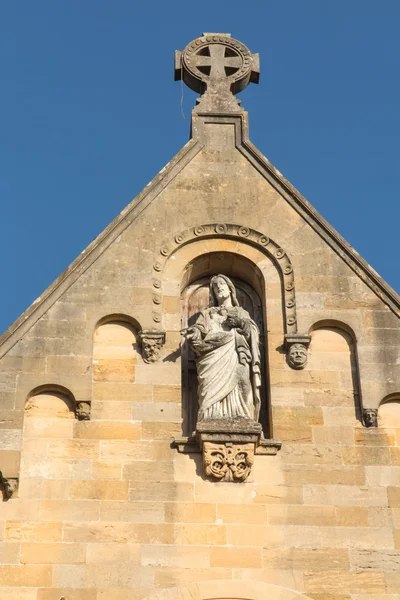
(374, 281)
(100, 243)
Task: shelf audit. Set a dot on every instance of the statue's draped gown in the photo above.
(228, 365)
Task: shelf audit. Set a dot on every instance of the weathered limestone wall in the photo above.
(106, 509)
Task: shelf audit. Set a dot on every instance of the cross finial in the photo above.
(217, 66)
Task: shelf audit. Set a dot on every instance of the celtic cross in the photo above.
(217, 66)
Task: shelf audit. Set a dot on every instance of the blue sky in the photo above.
(90, 113)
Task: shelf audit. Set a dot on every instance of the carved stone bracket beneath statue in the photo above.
(228, 447)
(9, 486)
(151, 342)
(370, 417)
(296, 347)
(83, 411)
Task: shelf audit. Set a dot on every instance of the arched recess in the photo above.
(224, 236)
(50, 401)
(389, 413)
(228, 589)
(333, 352)
(49, 422)
(116, 352)
(115, 349)
(250, 287)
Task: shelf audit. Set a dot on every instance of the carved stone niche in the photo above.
(228, 447)
(9, 485)
(370, 417)
(296, 347)
(151, 342)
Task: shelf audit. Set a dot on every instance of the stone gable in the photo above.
(104, 487)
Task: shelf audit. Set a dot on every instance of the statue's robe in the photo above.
(228, 365)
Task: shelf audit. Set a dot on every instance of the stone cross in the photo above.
(217, 66)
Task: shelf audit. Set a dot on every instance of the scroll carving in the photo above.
(228, 462)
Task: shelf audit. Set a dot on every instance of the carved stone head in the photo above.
(151, 342)
(82, 411)
(370, 416)
(9, 485)
(151, 349)
(297, 356)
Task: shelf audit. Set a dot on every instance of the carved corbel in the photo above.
(228, 447)
(370, 417)
(296, 350)
(9, 485)
(151, 342)
(83, 411)
(228, 462)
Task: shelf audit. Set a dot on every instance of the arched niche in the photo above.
(249, 283)
(50, 402)
(272, 261)
(333, 351)
(49, 418)
(49, 422)
(115, 349)
(389, 412)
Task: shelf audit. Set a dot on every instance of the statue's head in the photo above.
(297, 356)
(221, 287)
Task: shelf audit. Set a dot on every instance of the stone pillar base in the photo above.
(228, 447)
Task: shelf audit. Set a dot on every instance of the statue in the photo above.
(225, 341)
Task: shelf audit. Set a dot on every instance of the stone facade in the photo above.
(99, 501)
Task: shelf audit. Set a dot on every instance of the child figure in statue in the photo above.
(226, 344)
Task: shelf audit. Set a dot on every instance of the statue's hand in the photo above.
(234, 322)
(191, 333)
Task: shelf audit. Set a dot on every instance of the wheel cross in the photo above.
(214, 61)
(217, 66)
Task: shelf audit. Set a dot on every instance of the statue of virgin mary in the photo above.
(226, 344)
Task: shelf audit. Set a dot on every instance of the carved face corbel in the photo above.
(82, 411)
(297, 347)
(151, 343)
(370, 417)
(9, 486)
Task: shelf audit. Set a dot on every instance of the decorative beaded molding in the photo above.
(230, 231)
